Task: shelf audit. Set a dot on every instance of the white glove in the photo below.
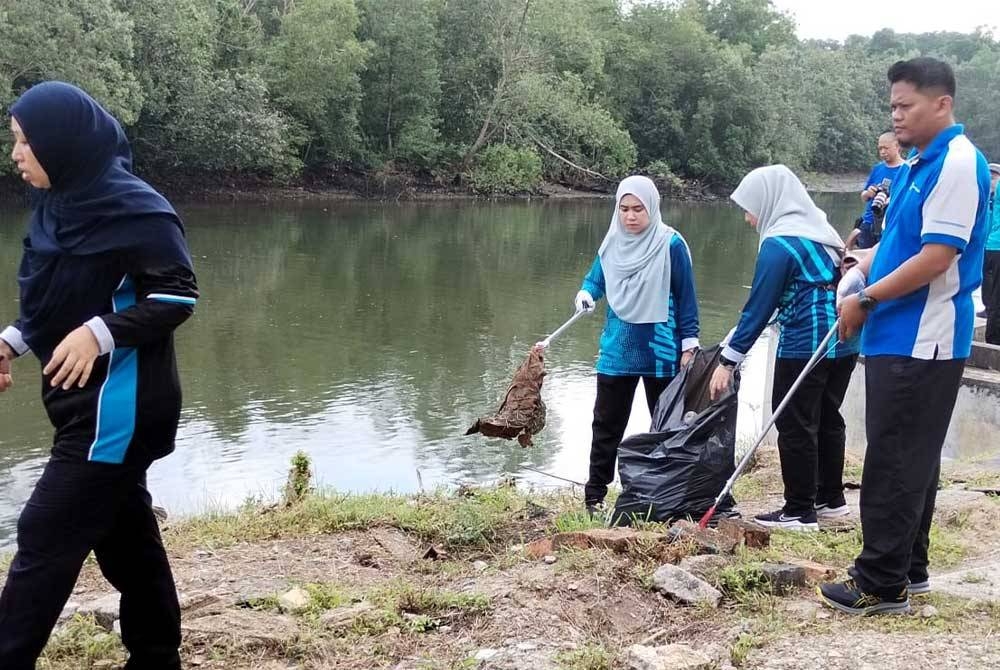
(852, 283)
(584, 302)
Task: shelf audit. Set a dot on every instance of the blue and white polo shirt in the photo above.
(939, 197)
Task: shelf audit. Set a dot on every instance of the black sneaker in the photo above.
(847, 597)
(919, 588)
(595, 509)
(798, 522)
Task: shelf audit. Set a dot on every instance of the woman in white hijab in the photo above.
(798, 266)
(643, 267)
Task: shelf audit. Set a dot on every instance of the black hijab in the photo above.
(95, 204)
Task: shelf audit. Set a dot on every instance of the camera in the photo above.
(878, 209)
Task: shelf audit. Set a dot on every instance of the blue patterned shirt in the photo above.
(650, 349)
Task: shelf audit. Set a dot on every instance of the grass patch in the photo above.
(749, 487)
(766, 623)
(947, 548)
(588, 657)
(324, 597)
(262, 603)
(402, 598)
(743, 581)
(475, 519)
(570, 521)
(740, 649)
(839, 549)
(417, 610)
(853, 471)
(397, 604)
(79, 644)
(836, 549)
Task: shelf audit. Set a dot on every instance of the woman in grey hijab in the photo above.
(798, 266)
(643, 267)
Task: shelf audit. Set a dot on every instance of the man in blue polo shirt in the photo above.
(866, 234)
(991, 263)
(914, 297)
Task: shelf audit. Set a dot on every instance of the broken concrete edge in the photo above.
(623, 540)
(814, 572)
(619, 540)
(706, 540)
(747, 533)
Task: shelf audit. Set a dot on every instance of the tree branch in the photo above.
(568, 161)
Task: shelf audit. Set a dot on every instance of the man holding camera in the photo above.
(914, 296)
(991, 263)
(868, 227)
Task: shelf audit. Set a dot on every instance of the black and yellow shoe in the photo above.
(847, 597)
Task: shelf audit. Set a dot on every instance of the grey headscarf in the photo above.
(637, 267)
(779, 201)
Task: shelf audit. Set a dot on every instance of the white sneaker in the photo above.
(824, 511)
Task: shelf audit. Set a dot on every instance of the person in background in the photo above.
(105, 278)
(991, 263)
(913, 296)
(644, 269)
(864, 235)
(796, 274)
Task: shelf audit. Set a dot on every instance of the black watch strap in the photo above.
(866, 301)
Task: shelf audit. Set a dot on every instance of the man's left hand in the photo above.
(73, 360)
(852, 317)
(687, 356)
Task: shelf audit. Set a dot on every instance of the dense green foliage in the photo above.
(500, 94)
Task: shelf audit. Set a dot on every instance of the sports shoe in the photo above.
(779, 519)
(826, 511)
(919, 588)
(847, 597)
(595, 509)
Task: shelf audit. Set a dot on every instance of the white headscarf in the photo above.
(779, 201)
(637, 267)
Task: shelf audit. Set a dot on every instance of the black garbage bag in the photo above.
(678, 468)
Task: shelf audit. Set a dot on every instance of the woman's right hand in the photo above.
(584, 302)
(6, 356)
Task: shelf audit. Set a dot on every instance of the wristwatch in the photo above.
(866, 302)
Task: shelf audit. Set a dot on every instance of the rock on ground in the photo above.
(703, 565)
(342, 617)
(103, 609)
(684, 587)
(241, 626)
(668, 657)
(294, 600)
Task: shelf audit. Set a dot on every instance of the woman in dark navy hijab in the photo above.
(105, 278)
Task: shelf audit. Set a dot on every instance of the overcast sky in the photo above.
(836, 19)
